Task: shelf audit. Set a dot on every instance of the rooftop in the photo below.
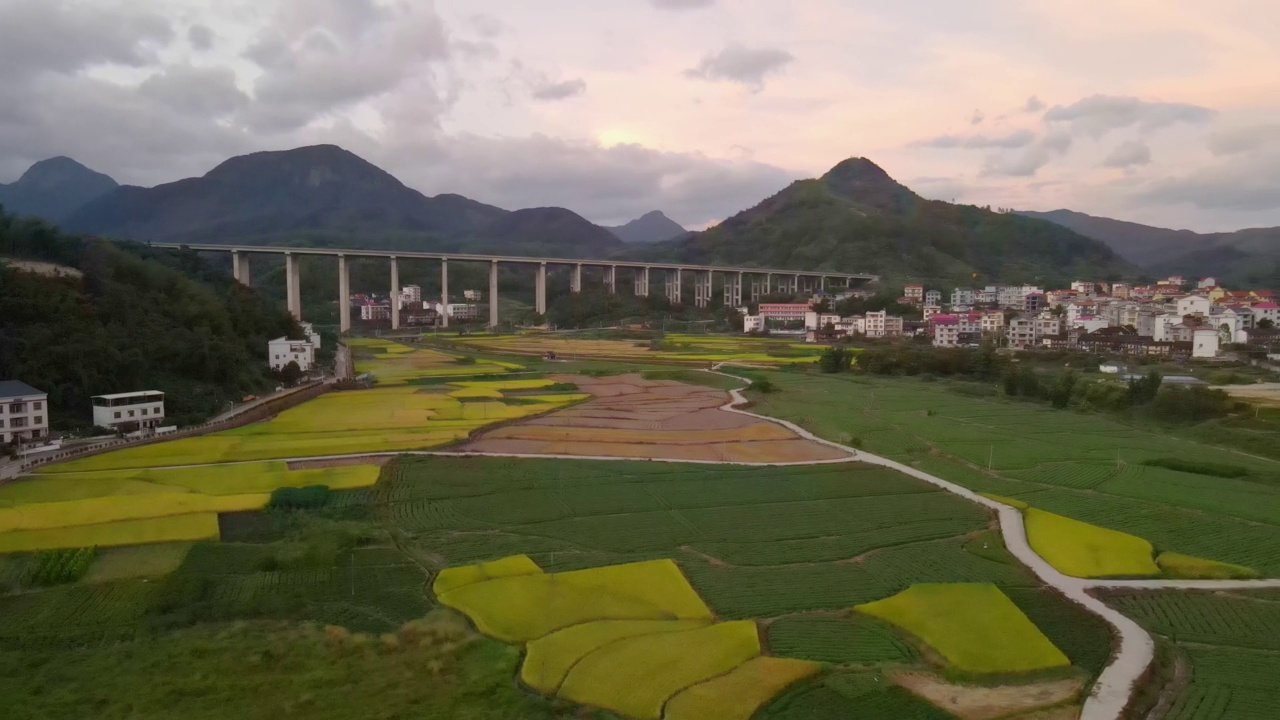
(17, 388)
(118, 396)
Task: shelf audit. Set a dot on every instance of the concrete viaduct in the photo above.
(763, 280)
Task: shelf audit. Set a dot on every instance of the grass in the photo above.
(520, 608)
(137, 561)
(456, 577)
(674, 348)
(173, 528)
(974, 627)
(548, 659)
(636, 676)
(1083, 550)
(393, 363)
(737, 694)
(1175, 565)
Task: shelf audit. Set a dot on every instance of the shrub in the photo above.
(763, 385)
(304, 498)
(1198, 468)
(57, 567)
(835, 359)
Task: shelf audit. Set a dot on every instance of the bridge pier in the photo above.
(292, 293)
(575, 279)
(395, 294)
(702, 288)
(673, 285)
(493, 293)
(733, 289)
(611, 279)
(444, 292)
(757, 289)
(642, 282)
(540, 290)
(240, 267)
(344, 295)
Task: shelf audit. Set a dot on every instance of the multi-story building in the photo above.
(933, 297)
(24, 412)
(1265, 311)
(282, 351)
(411, 296)
(1085, 287)
(784, 312)
(819, 321)
(962, 297)
(1120, 290)
(914, 292)
(309, 331)
(375, 311)
(142, 410)
(1048, 324)
(931, 310)
(752, 323)
(472, 295)
(882, 324)
(1193, 305)
(1021, 333)
(1055, 298)
(852, 324)
(1032, 303)
(946, 330)
(987, 296)
(463, 311)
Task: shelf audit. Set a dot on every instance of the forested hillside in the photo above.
(136, 320)
(856, 218)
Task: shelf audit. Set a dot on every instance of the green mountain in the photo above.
(326, 195)
(1248, 257)
(52, 189)
(856, 218)
(130, 319)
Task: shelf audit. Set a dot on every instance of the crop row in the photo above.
(1228, 683)
(1206, 618)
(838, 639)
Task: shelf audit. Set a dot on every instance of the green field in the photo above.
(1083, 466)
(1229, 644)
(368, 561)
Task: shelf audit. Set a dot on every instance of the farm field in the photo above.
(631, 416)
(377, 420)
(394, 363)
(790, 532)
(674, 348)
(1226, 644)
(1084, 467)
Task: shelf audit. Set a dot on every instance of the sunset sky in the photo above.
(1165, 112)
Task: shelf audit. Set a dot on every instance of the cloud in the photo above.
(1029, 160)
(740, 64)
(1099, 114)
(64, 37)
(1015, 139)
(977, 118)
(200, 37)
(1249, 186)
(208, 92)
(681, 4)
(1127, 154)
(560, 91)
(323, 56)
(1234, 141)
(1033, 105)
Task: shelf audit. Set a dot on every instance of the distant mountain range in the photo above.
(853, 218)
(54, 188)
(650, 227)
(857, 218)
(1244, 256)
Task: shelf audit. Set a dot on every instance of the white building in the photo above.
(1208, 282)
(961, 296)
(411, 295)
(129, 411)
(463, 311)
(881, 324)
(472, 295)
(282, 351)
(752, 323)
(852, 324)
(309, 331)
(933, 297)
(818, 321)
(374, 311)
(1193, 305)
(1091, 323)
(1204, 343)
(1021, 333)
(1266, 311)
(24, 412)
(992, 322)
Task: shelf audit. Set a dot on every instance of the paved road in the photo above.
(1136, 649)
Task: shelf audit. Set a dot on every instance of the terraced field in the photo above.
(394, 363)
(674, 348)
(1085, 467)
(804, 544)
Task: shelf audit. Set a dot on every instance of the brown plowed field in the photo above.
(630, 417)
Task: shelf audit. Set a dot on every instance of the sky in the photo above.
(1165, 112)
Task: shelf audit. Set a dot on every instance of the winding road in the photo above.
(1117, 681)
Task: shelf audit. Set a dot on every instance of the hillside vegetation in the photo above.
(136, 320)
(857, 218)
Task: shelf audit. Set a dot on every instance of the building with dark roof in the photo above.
(24, 412)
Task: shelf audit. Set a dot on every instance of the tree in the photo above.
(1266, 324)
(1061, 394)
(835, 359)
(289, 374)
(1143, 390)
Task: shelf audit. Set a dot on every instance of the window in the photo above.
(39, 419)
(36, 405)
(144, 412)
(18, 422)
(131, 413)
(17, 407)
(1, 423)
(117, 415)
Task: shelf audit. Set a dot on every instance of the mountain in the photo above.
(856, 218)
(325, 194)
(1244, 256)
(52, 189)
(650, 227)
